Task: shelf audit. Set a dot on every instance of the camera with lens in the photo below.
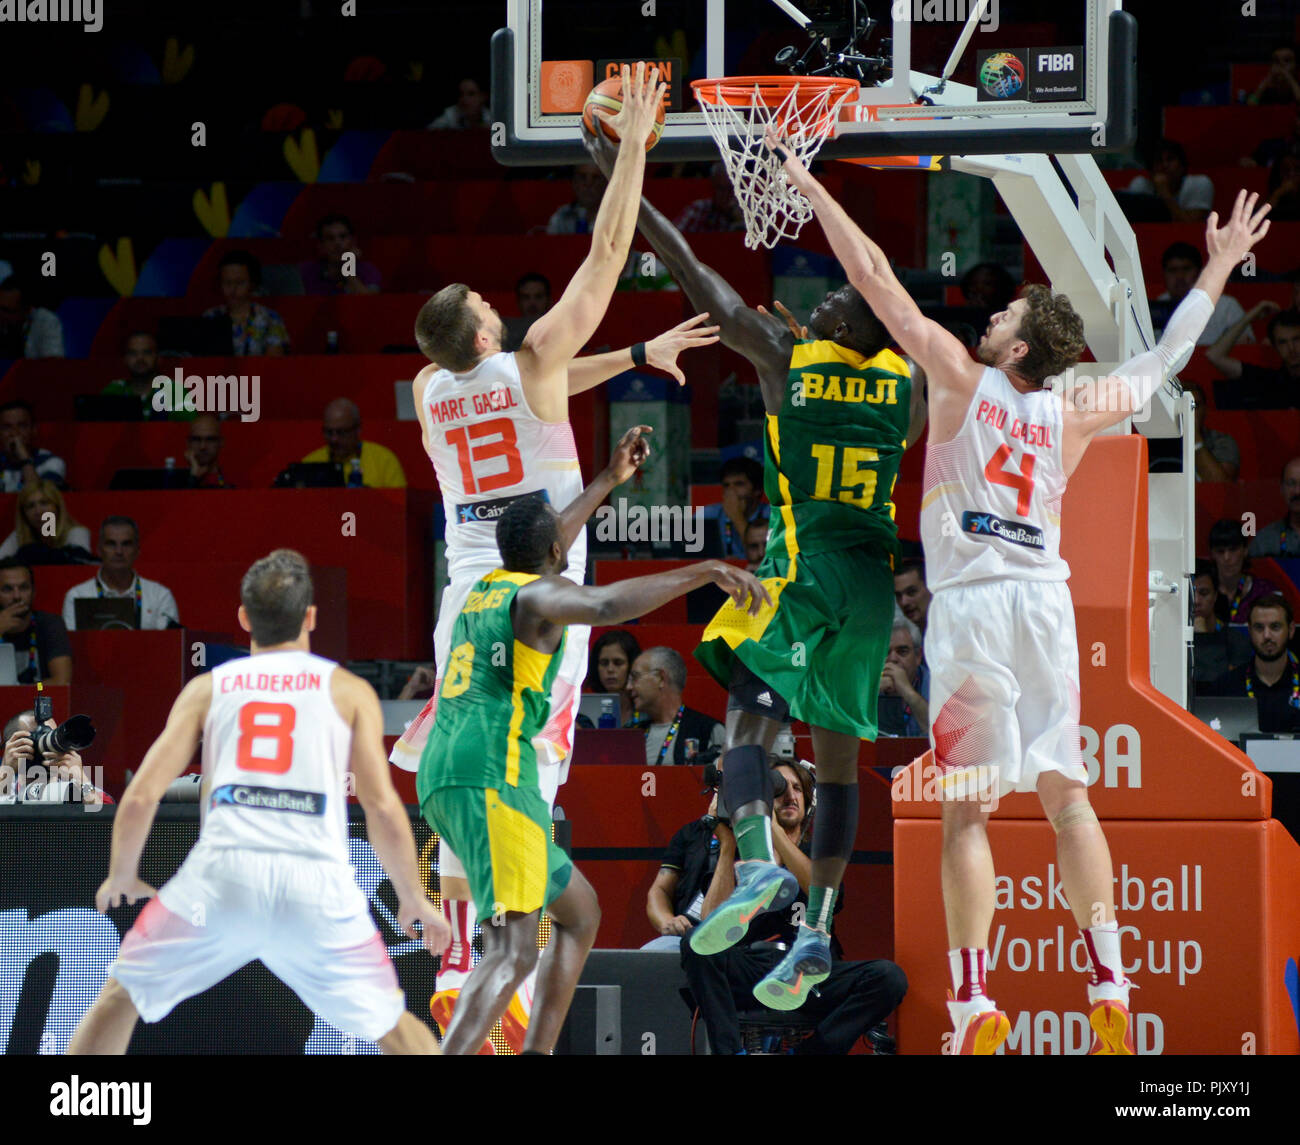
(75, 733)
(713, 782)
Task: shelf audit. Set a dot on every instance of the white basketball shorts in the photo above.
(307, 921)
(1004, 684)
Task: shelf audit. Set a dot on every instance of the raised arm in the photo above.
(765, 344)
(1132, 385)
(660, 352)
(163, 762)
(934, 349)
(1219, 354)
(630, 452)
(564, 329)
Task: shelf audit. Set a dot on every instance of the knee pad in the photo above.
(746, 778)
(836, 824)
(1075, 814)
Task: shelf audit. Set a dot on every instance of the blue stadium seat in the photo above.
(262, 210)
(166, 273)
(81, 318)
(351, 157)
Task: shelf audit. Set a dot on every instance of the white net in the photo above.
(805, 115)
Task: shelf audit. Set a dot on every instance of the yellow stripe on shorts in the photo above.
(787, 510)
(517, 848)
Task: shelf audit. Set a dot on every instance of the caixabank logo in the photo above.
(1001, 75)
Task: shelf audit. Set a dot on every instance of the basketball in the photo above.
(606, 95)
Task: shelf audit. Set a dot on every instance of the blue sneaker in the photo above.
(807, 963)
(760, 886)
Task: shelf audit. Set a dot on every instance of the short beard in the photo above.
(986, 354)
(1281, 655)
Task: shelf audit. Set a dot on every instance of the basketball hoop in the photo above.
(738, 110)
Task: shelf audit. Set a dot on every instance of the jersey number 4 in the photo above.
(470, 456)
(271, 724)
(1022, 482)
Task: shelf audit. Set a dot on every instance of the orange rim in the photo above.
(772, 90)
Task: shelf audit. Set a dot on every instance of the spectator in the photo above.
(1279, 85)
(254, 329)
(203, 453)
(1188, 198)
(576, 218)
(1216, 647)
(656, 684)
(1181, 264)
(1270, 150)
(470, 109)
(365, 463)
(61, 777)
(988, 286)
(755, 544)
(903, 708)
(911, 593)
(23, 461)
(855, 997)
(612, 657)
(1218, 457)
(27, 331)
(1284, 188)
(533, 299)
(1282, 538)
(41, 647)
(1238, 590)
(327, 274)
(45, 532)
(119, 548)
(140, 357)
(1272, 676)
(719, 212)
(1259, 387)
(742, 502)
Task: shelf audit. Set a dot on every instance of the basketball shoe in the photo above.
(979, 1027)
(1111, 1022)
(806, 963)
(443, 1005)
(760, 886)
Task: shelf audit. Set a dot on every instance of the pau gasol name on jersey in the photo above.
(987, 525)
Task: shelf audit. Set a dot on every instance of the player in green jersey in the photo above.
(841, 408)
(477, 782)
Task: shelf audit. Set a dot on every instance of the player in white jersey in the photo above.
(1005, 436)
(495, 426)
(270, 876)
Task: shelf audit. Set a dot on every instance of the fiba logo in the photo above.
(565, 83)
(1002, 75)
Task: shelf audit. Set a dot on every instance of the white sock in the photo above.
(1108, 980)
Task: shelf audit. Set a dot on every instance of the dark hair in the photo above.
(19, 403)
(625, 640)
(911, 564)
(525, 533)
(445, 329)
(276, 593)
(868, 335)
(14, 563)
(119, 520)
(746, 467)
(1053, 331)
(1226, 534)
(1006, 285)
(333, 220)
(1170, 147)
(1204, 567)
(807, 784)
(1289, 317)
(244, 259)
(138, 334)
(1272, 600)
(1181, 250)
(533, 276)
(668, 661)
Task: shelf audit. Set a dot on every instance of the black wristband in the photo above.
(638, 354)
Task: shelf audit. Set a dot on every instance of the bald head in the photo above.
(205, 443)
(341, 426)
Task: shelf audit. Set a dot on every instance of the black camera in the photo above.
(713, 782)
(75, 734)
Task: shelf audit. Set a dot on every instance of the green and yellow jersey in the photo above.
(834, 450)
(495, 697)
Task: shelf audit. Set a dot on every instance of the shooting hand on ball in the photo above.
(641, 95)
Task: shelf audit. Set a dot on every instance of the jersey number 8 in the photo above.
(259, 720)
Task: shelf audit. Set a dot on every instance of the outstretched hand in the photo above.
(796, 328)
(641, 93)
(1244, 228)
(630, 453)
(798, 175)
(661, 352)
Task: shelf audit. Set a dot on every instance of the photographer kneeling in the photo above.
(698, 874)
(44, 766)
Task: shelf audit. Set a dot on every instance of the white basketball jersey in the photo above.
(488, 448)
(992, 503)
(276, 754)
